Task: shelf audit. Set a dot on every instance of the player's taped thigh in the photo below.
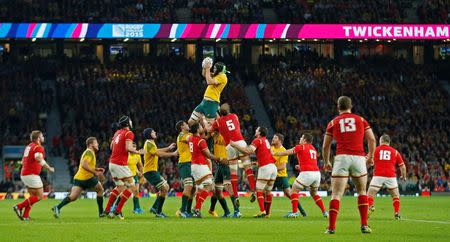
(188, 181)
(261, 184)
(246, 162)
(298, 185)
(219, 186)
(161, 184)
(195, 116)
(208, 181)
(269, 186)
(233, 165)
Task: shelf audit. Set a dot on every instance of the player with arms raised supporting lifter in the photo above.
(201, 167)
(386, 158)
(86, 178)
(211, 100)
(121, 145)
(309, 176)
(349, 131)
(229, 127)
(32, 163)
(267, 171)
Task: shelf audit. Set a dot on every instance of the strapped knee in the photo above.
(188, 182)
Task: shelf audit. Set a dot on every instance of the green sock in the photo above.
(213, 203)
(155, 204)
(136, 204)
(224, 205)
(184, 200)
(100, 204)
(189, 205)
(161, 203)
(63, 203)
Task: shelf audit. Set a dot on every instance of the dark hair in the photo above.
(308, 137)
(35, 135)
(344, 103)
(280, 136)
(220, 67)
(178, 125)
(194, 127)
(263, 131)
(124, 121)
(115, 126)
(147, 134)
(90, 140)
(386, 138)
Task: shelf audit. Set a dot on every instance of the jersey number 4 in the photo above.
(385, 155)
(117, 139)
(347, 125)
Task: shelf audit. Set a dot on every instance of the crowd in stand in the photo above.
(222, 11)
(396, 98)
(156, 92)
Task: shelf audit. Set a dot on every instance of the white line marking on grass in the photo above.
(426, 221)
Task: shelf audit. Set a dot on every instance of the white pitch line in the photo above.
(426, 221)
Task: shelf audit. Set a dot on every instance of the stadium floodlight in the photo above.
(82, 39)
(173, 40)
(126, 39)
(33, 39)
(217, 40)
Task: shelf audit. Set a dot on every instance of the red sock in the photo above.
(363, 207)
(334, 210)
(294, 202)
(125, 195)
(268, 203)
(319, 202)
(26, 212)
(28, 202)
(200, 198)
(370, 200)
(234, 184)
(250, 179)
(112, 198)
(396, 204)
(260, 196)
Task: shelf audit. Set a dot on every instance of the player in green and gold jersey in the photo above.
(85, 178)
(184, 169)
(151, 173)
(282, 182)
(222, 178)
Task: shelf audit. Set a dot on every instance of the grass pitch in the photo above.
(423, 219)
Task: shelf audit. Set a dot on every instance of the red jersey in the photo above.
(196, 146)
(119, 154)
(307, 157)
(263, 153)
(348, 130)
(385, 159)
(229, 127)
(31, 166)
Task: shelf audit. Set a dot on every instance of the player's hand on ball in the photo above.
(207, 63)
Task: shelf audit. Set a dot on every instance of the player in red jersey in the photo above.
(32, 163)
(229, 127)
(267, 171)
(386, 158)
(201, 167)
(121, 144)
(309, 176)
(349, 131)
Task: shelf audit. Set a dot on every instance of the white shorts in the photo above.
(266, 177)
(309, 179)
(233, 153)
(389, 182)
(353, 165)
(200, 171)
(119, 173)
(32, 181)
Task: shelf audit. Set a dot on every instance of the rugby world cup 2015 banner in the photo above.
(225, 31)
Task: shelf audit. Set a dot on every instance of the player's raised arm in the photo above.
(130, 147)
(244, 149)
(286, 152)
(165, 152)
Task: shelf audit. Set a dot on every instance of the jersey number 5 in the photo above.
(347, 125)
(230, 125)
(385, 155)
